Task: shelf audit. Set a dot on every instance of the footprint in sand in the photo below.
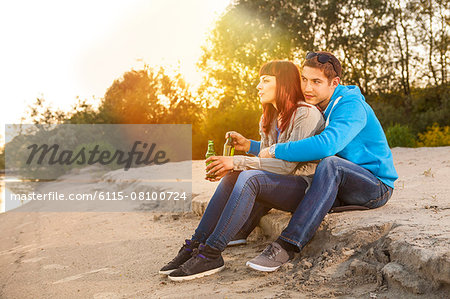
(33, 260)
(78, 276)
(54, 267)
(106, 295)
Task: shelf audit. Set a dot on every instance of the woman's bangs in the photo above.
(268, 69)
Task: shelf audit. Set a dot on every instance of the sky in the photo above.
(58, 50)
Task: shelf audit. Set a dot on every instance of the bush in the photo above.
(423, 108)
(222, 119)
(435, 136)
(400, 135)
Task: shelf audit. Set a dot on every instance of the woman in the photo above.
(251, 180)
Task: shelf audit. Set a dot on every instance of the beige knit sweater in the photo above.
(308, 121)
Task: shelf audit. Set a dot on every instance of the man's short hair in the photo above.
(327, 68)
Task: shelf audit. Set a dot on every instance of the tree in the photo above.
(255, 31)
(41, 113)
(149, 96)
(133, 99)
(83, 113)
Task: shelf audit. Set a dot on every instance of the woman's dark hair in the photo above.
(288, 92)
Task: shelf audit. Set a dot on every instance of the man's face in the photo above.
(315, 87)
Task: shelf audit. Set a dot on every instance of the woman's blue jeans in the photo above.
(243, 197)
(241, 194)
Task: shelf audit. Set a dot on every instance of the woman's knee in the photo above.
(247, 175)
(249, 179)
(230, 178)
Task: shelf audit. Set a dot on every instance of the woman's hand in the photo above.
(240, 142)
(219, 167)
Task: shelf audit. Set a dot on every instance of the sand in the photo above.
(401, 250)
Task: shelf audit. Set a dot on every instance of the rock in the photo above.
(199, 204)
(306, 264)
(427, 257)
(398, 233)
(347, 252)
(362, 269)
(395, 273)
(288, 266)
(274, 222)
(256, 235)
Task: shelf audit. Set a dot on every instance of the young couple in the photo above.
(311, 126)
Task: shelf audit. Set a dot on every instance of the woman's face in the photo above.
(267, 89)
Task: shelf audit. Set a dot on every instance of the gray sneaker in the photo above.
(272, 257)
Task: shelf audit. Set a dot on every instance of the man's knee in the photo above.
(329, 162)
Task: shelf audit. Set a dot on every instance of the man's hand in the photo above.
(264, 153)
(219, 167)
(240, 142)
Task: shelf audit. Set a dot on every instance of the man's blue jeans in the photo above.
(243, 197)
(337, 182)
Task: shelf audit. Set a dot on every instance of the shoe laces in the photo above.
(196, 256)
(186, 246)
(271, 251)
(196, 253)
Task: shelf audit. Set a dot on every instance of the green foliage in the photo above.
(426, 106)
(220, 120)
(133, 99)
(435, 136)
(387, 112)
(252, 32)
(430, 105)
(400, 135)
(149, 96)
(83, 113)
(243, 39)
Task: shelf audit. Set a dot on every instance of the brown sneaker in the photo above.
(272, 257)
(205, 261)
(184, 254)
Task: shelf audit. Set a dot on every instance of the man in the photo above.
(357, 168)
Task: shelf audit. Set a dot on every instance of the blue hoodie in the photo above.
(353, 133)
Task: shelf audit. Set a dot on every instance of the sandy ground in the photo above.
(401, 250)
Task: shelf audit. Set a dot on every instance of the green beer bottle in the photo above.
(228, 147)
(209, 153)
